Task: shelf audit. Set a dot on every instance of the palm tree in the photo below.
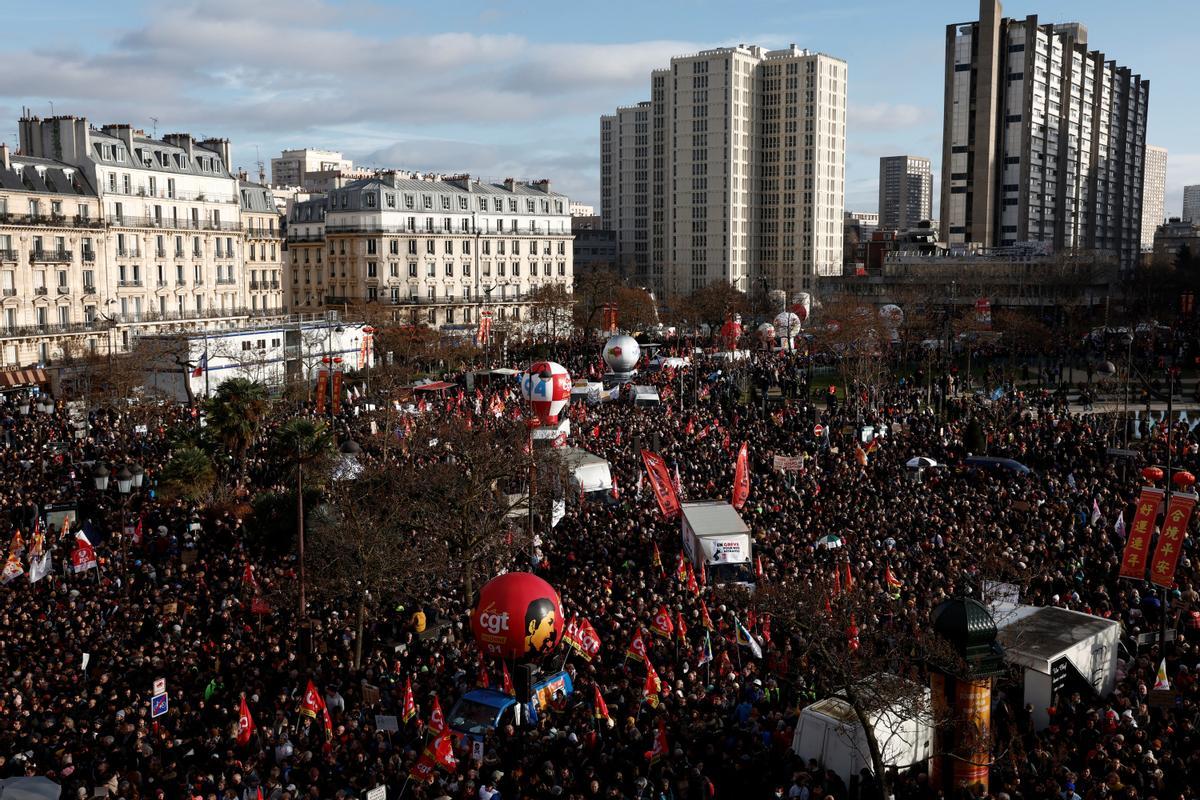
(297, 443)
(189, 474)
(236, 412)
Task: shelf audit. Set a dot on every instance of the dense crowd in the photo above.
(172, 600)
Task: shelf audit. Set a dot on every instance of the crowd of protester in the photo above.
(171, 599)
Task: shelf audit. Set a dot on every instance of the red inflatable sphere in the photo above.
(518, 614)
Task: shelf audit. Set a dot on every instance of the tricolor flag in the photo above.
(1096, 514)
(706, 654)
(201, 365)
(1119, 525)
(1162, 683)
(746, 639)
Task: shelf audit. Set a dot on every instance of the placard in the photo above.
(387, 722)
(160, 686)
(378, 793)
(370, 694)
(787, 464)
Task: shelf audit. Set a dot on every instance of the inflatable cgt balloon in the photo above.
(547, 386)
(518, 614)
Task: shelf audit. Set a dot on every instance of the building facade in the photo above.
(733, 172)
(1043, 139)
(1176, 236)
(594, 247)
(1191, 203)
(435, 251)
(169, 246)
(263, 257)
(905, 192)
(1154, 189)
(300, 167)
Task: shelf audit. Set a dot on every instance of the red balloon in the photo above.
(1184, 478)
(1152, 474)
(518, 614)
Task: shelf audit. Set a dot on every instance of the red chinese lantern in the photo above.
(518, 614)
(1183, 479)
(1152, 474)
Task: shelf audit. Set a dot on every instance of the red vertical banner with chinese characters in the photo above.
(322, 387)
(1170, 541)
(1137, 548)
(335, 398)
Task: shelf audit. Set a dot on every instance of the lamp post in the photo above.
(1127, 340)
(100, 476)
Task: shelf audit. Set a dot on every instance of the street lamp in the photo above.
(139, 475)
(100, 476)
(23, 406)
(124, 479)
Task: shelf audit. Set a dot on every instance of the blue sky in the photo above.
(501, 88)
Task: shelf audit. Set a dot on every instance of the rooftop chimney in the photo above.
(4, 159)
(222, 149)
(510, 184)
(542, 185)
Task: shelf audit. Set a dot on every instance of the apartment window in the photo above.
(412, 247)
(449, 316)
(427, 201)
(430, 247)
(487, 247)
(466, 269)
(430, 270)
(370, 198)
(412, 269)
(449, 269)
(501, 268)
(372, 245)
(394, 247)
(89, 280)
(449, 247)
(390, 200)
(517, 248)
(372, 269)
(445, 203)
(516, 269)
(125, 186)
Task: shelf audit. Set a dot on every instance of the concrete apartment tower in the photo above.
(1043, 139)
(905, 192)
(1154, 189)
(733, 172)
(1191, 203)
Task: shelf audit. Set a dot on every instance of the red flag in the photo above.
(311, 703)
(661, 625)
(248, 578)
(705, 619)
(582, 638)
(137, 532)
(599, 707)
(508, 684)
(837, 582)
(692, 586)
(681, 568)
(437, 720)
(245, 724)
(652, 688)
(410, 705)
(890, 579)
(852, 635)
(660, 483)
(703, 574)
(680, 627)
(661, 748)
(741, 478)
(690, 428)
(83, 557)
(765, 629)
(637, 647)
(596, 431)
(758, 568)
(828, 607)
(483, 676)
(848, 580)
(438, 753)
(656, 557)
(724, 665)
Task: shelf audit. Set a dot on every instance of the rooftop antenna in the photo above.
(262, 171)
(51, 102)
(154, 133)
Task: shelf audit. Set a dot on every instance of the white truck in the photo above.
(589, 472)
(715, 536)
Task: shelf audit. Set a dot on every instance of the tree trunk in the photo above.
(358, 632)
(882, 779)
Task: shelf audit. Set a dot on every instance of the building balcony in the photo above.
(64, 290)
(51, 256)
(226, 281)
(22, 331)
(51, 220)
(129, 284)
(127, 221)
(294, 238)
(41, 291)
(89, 255)
(160, 253)
(161, 284)
(180, 282)
(10, 292)
(89, 288)
(8, 255)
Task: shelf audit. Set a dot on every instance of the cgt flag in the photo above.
(1170, 540)
(741, 478)
(1137, 546)
(660, 484)
(582, 638)
(245, 724)
(661, 625)
(599, 707)
(637, 647)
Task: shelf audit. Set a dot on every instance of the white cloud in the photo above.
(887, 115)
